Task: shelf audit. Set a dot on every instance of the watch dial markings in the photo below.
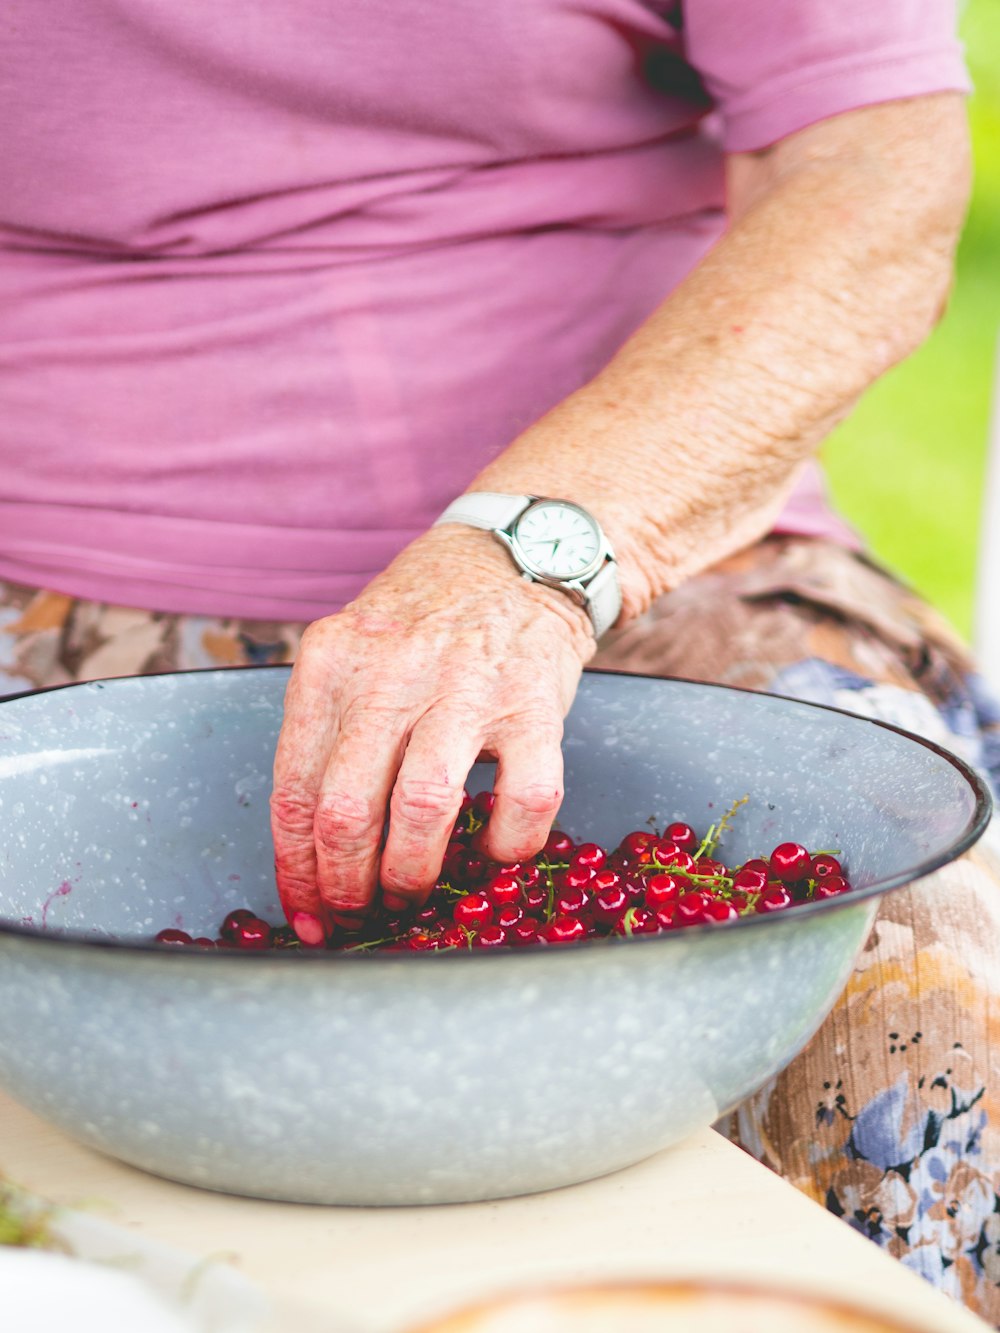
(558, 540)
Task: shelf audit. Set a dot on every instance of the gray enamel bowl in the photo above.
(134, 804)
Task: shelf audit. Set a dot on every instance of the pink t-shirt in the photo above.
(277, 277)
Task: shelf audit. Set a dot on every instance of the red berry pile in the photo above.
(651, 882)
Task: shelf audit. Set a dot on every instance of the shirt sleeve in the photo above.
(775, 66)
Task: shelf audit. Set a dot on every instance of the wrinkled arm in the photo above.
(836, 265)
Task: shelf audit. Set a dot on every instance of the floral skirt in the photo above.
(891, 1115)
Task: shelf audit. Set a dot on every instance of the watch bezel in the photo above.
(576, 580)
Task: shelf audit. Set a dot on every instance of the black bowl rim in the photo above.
(976, 827)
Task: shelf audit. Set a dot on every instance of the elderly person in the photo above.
(282, 285)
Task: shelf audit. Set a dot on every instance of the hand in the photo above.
(445, 656)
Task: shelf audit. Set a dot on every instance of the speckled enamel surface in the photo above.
(130, 805)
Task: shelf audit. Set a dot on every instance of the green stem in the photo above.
(369, 944)
(547, 867)
(707, 844)
(714, 835)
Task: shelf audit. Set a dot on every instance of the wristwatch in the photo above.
(554, 542)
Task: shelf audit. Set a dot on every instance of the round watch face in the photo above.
(558, 539)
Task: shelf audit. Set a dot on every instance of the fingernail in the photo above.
(394, 902)
(309, 929)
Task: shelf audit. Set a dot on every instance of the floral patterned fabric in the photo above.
(891, 1115)
(47, 638)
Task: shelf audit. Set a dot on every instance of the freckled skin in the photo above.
(836, 265)
(373, 719)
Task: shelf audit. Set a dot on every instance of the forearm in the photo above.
(683, 447)
(835, 268)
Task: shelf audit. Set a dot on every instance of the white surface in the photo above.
(53, 1293)
(112, 1280)
(703, 1208)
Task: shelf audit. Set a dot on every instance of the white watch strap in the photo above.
(490, 510)
(604, 597)
(485, 509)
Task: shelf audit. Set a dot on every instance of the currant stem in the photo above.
(369, 944)
(714, 835)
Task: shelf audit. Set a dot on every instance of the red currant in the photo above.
(174, 937)
(638, 921)
(831, 886)
(683, 862)
(473, 868)
(234, 920)
(589, 855)
(790, 861)
(483, 803)
(523, 932)
(824, 865)
(649, 883)
(705, 865)
(454, 937)
(558, 846)
(571, 901)
(564, 930)
(609, 904)
(774, 898)
(454, 859)
(665, 853)
(691, 907)
(473, 911)
(525, 872)
(252, 934)
(604, 879)
(720, 910)
(574, 877)
(663, 890)
(503, 889)
(636, 890)
(529, 875)
(490, 937)
(757, 863)
(634, 843)
(536, 898)
(421, 942)
(683, 835)
(752, 878)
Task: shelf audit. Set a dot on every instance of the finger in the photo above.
(304, 745)
(351, 807)
(425, 803)
(528, 787)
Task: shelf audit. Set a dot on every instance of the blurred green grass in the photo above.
(907, 467)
